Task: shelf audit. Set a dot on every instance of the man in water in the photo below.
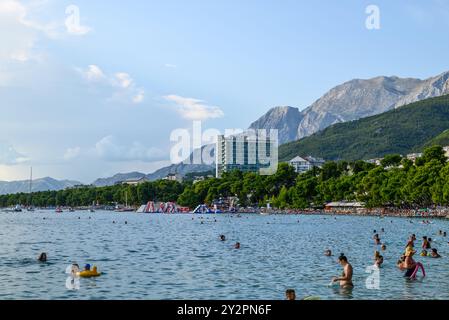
(408, 265)
(346, 277)
(290, 294)
(237, 245)
(42, 257)
(328, 253)
(222, 237)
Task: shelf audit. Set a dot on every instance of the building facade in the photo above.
(305, 164)
(246, 153)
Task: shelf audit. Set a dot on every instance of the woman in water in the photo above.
(408, 264)
(346, 277)
(425, 243)
(42, 257)
(435, 253)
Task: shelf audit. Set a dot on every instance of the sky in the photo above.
(93, 88)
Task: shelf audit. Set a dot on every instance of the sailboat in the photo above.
(30, 206)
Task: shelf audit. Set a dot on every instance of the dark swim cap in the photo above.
(87, 266)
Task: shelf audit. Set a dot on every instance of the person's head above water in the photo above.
(222, 237)
(237, 245)
(290, 294)
(42, 257)
(87, 267)
(342, 259)
(328, 252)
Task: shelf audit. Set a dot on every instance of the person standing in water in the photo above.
(346, 277)
(408, 265)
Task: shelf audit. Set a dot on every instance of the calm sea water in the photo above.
(175, 257)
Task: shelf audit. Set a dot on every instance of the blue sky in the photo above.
(82, 101)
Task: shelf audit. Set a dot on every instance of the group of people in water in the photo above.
(223, 238)
(406, 263)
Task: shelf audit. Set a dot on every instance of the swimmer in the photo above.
(222, 237)
(435, 253)
(42, 257)
(408, 265)
(328, 253)
(383, 230)
(384, 247)
(290, 294)
(346, 277)
(126, 222)
(377, 241)
(237, 245)
(87, 267)
(424, 253)
(444, 233)
(430, 243)
(425, 243)
(376, 255)
(379, 261)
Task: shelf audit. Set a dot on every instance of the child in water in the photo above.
(290, 294)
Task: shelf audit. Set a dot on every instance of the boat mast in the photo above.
(31, 185)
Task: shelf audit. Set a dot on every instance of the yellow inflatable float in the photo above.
(89, 273)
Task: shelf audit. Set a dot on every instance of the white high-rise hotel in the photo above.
(249, 152)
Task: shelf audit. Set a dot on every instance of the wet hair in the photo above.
(434, 250)
(290, 291)
(342, 257)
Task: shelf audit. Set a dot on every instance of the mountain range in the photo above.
(404, 130)
(349, 101)
(43, 184)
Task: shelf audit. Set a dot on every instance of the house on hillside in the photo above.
(304, 164)
(135, 181)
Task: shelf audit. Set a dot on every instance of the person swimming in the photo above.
(87, 267)
(237, 245)
(408, 264)
(435, 254)
(424, 253)
(328, 253)
(222, 237)
(346, 277)
(384, 247)
(290, 294)
(379, 261)
(42, 257)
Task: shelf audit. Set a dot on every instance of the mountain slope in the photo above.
(401, 130)
(44, 184)
(349, 101)
(285, 119)
(440, 140)
(103, 182)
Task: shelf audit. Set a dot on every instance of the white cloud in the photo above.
(19, 33)
(9, 156)
(139, 97)
(123, 80)
(194, 109)
(93, 73)
(72, 153)
(123, 85)
(110, 149)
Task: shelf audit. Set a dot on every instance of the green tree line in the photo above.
(396, 182)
